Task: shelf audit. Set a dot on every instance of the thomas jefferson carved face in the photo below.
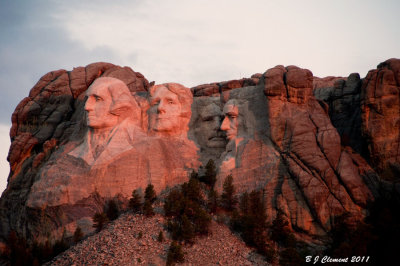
(169, 111)
(230, 122)
(165, 110)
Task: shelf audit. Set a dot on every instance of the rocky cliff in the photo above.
(319, 148)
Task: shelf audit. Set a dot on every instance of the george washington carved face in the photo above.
(109, 102)
(169, 111)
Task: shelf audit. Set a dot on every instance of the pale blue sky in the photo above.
(189, 42)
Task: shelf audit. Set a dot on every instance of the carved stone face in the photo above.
(209, 131)
(97, 107)
(230, 122)
(165, 111)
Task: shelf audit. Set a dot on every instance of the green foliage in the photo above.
(280, 231)
(192, 191)
(250, 222)
(174, 203)
(175, 254)
(185, 208)
(149, 197)
(210, 176)
(228, 198)
(19, 252)
(187, 232)
(212, 201)
(99, 221)
(148, 209)
(112, 210)
(244, 204)
(78, 234)
(135, 203)
(194, 175)
(150, 194)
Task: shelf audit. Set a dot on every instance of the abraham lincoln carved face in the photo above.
(231, 122)
(169, 111)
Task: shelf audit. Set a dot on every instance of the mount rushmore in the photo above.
(318, 148)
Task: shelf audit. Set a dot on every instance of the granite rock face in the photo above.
(380, 117)
(317, 147)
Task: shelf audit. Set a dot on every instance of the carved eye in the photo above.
(98, 98)
(170, 101)
(154, 102)
(208, 118)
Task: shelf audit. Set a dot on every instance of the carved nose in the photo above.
(225, 124)
(160, 108)
(217, 123)
(88, 105)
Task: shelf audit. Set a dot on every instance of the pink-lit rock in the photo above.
(100, 131)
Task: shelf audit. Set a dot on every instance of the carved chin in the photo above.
(165, 126)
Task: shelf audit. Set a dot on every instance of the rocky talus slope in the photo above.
(119, 244)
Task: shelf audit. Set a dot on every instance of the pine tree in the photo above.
(212, 201)
(210, 176)
(228, 198)
(173, 203)
(192, 190)
(251, 222)
(135, 203)
(244, 203)
(61, 244)
(148, 208)
(112, 210)
(194, 175)
(149, 197)
(175, 254)
(150, 194)
(78, 234)
(99, 220)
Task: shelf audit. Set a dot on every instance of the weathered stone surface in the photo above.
(380, 117)
(308, 160)
(294, 136)
(342, 97)
(53, 114)
(214, 89)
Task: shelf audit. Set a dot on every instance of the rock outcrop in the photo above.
(380, 116)
(317, 147)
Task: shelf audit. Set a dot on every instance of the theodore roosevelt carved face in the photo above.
(109, 102)
(208, 131)
(169, 111)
